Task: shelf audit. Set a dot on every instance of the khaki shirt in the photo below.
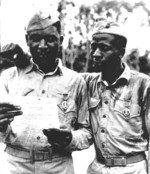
(118, 111)
(63, 85)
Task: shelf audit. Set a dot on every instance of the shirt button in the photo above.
(103, 145)
(38, 137)
(43, 91)
(103, 130)
(106, 102)
(104, 116)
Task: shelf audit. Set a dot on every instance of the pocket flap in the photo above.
(70, 106)
(135, 110)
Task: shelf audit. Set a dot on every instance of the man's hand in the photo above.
(7, 114)
(58, 137)
(15, 54)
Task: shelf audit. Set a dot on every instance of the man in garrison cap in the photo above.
(119, 105)
(30, 149)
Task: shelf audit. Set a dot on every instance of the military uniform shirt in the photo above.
(64, 85)
(118, 111)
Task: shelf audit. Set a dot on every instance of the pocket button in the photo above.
(126, 112)
(106, 102)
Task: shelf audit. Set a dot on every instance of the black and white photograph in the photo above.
(74, 87)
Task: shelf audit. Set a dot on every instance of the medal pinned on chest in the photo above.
(126, 112)
(64, 103)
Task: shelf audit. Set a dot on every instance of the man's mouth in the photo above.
(97, 59)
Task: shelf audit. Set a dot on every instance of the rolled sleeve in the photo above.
(81, 139)
(82, 136)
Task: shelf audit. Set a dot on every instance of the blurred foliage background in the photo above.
(77, 18)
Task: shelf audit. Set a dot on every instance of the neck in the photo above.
(48, 68)
(111, 74)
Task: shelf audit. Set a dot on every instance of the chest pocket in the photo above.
(131, 114)
(127, 109)
(67, 112)
(94, 104)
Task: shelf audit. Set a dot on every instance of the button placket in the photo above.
(103, 123)
(43, 87)
(103, 133)
(105, 100)
(106, 97)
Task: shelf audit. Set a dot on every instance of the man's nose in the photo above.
(97, 52)
(42, 44)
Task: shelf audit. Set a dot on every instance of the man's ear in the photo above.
(27, 39)
(61, 39)
(122, 52)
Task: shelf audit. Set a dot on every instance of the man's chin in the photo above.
(97, 67)
(38, 62)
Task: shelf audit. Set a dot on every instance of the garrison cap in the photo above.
(41, 20)
(103, 25)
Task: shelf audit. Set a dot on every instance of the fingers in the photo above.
(11, 51)
(9, 106)
(7, 114)
(55, 132)
(10, 48)
(45, 131)
(51, 131)
(58, 137)
(5, 121)
(10, 114)
(50, 134)
(6, 109)
(55, 144)
(3, 127)
(14, 113)
(9, 110)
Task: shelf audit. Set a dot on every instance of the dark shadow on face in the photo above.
(44, 45)
(105, 52)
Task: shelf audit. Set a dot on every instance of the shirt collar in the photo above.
(125, 75)
(32, 66)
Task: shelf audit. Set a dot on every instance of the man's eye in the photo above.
(35, 38)
(93, 46)
(51, 39)
(105, 48)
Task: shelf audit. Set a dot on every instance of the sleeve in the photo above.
(3, 85)
(82, 136)
(3, 94)
(147, 119)
(87, 77)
